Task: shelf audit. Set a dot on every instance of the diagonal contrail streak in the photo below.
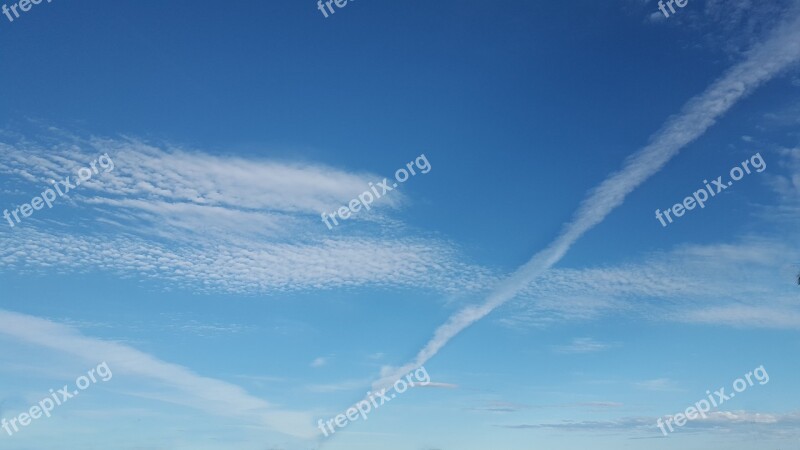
(763, 62)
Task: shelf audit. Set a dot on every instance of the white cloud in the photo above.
(319, 362)
(716, 422)
(212, 223)
(341, 386)
(730, 26)
(247, 266)
(436, 384)
(176, 175)
(749, 283)
(659, 384)
(745, 316)
(207, 394)
(582, 345)
(762, 63)
(735, 25)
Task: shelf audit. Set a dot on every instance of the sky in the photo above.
(544, 261)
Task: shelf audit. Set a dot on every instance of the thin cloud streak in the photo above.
(762, 63)
(207, 394)
(209, 223)
(716, 421)
(582, 345)
(748, 283)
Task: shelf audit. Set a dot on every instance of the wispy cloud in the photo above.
(746, 316)
(498, 407)
(735, 25)
(170, 175)
(729, 26)
(658, 384)
(207, 394)
(319, 362)
(619, 424)
(506, 407)
(341, 386)
(582, 345)
(438, 385)
(717, 421)
(762, 63)
(212, 223)
(746, 283)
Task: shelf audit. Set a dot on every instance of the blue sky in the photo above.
(526, 271)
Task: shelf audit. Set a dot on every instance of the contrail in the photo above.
(761, 63)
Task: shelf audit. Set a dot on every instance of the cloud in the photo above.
(247, 267)
(319, 362)
(717, 421)
(747, 283)
(210, 223)
(214, 224)
(342, 386)
(788, 186)
(207, 394)
(734, 25)
(618, 424)
(746, 316)
(658, 384)
(170, 174)
(506, 407)
(730, 26)
(376, 356)
(581, 345)
(438, 385)
(601, 405)
(761, 64)
(499, 407)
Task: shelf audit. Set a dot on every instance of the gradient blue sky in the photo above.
(231, 317)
